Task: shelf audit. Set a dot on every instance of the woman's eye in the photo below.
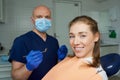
(71, 36)
(82, 36)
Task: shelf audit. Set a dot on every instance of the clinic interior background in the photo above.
(17, 15)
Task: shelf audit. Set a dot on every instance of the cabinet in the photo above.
(104, 22)
(5, 72)
(114, 13)
(102, 19)
(1, 11)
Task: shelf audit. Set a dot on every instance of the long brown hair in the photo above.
(94, 29)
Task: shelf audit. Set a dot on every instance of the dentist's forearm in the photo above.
(21, 73)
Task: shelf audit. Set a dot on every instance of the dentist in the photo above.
(34, 53)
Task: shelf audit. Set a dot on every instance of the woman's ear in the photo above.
(96, 37)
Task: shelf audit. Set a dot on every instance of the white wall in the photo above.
(106, 6)
(18, 13)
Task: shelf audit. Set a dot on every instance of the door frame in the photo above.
(54, 16)
(75, 3)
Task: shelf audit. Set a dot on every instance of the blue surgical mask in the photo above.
(42, 24)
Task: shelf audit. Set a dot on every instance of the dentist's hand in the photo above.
(34, 58)
(62, 52)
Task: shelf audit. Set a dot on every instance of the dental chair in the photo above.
(111, 63)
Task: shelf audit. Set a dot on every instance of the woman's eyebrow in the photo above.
(78, 33)
(82, 32)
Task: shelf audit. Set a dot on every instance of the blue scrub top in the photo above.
(31, 41)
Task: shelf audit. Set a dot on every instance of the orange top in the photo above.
(73, 69)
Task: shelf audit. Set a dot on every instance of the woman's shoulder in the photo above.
(101, 71)
(66, 59)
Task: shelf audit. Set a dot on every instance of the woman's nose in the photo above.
(76, 40)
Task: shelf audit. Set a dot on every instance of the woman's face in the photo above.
(82, 40)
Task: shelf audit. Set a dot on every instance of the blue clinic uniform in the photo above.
(31, 41)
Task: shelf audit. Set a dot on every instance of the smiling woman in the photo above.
(85, 38)
(85, 64)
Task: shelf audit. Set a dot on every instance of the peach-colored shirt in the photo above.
(74, 69)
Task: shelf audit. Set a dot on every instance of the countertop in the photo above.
(108, 44)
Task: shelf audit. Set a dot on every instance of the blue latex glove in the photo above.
(62, 52)
(34, 58)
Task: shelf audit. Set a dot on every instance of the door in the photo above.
(64, 12)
